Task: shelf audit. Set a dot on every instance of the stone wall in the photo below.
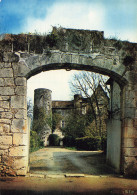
(129, 125)
(22, 56)
(13, 119)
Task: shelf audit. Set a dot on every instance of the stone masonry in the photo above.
(43, 105)
(22, 56)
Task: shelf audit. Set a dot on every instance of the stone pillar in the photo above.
(43, 109)
(13, 121)
(114, 128)
(129, 125)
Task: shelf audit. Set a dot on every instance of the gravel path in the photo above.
(63, 161)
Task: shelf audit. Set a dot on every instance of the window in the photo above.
(62, 124)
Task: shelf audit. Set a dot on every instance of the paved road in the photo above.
(63, 161)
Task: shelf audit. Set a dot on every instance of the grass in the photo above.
(35, 149)
(71, 148)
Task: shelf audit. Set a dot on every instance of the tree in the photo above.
(29, 109)
(75, 125)
(90, 85)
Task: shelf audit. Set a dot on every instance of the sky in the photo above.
(117, 18)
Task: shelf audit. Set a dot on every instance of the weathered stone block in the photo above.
(4, 147)
(7, 65)
(18, 151)
(89, 61)
(7, 115)
(20, 163)
(135, 123)
(19, 125)
(130, 112)
(8, 82)
(21, 113)
(128, 142)
(130, 132)
(10, 57)
(128, 122)
(6, 128)
(4, 104)
(3, 152)
(55, 58)
(21, 81)
(75, 59)
(130, 151)
(1, 129)
(6, 139)
(6, 72)
(20, 69)
(18, 102)
(6, 121)
(20, 139)
(4, 98)
(21, 171)
(20, 90)
(66, 58)
(1, 82)
(6, 91)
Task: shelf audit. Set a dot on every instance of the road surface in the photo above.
(63, 161)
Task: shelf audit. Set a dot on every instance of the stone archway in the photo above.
(63, 49)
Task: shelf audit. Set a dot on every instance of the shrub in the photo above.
(69, 141)
(54, 140)
(88, 143)
(35, 142)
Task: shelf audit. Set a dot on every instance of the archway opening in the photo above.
(111, 150)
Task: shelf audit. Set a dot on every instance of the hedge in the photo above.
(69, 141)
(88, 143)
(54, 140)
(35, 142)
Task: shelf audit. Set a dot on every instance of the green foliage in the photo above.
(56, 118)
(71, 148)
(35, 142)
(40, 119)
(128, 61)
(75, 125)
(69, 141)
(118, 44)
(88, 143)
(51, 39)
(54, 140)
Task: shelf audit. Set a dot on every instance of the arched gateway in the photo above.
(22, 56)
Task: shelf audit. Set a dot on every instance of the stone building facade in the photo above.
(43, 104)
(82, 105)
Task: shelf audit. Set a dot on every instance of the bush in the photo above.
(69, 141)
(54, 140)
(35, 142)
(88, 143)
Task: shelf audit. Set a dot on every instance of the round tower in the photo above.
(42, 117)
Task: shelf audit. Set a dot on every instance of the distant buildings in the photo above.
(60, 110)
